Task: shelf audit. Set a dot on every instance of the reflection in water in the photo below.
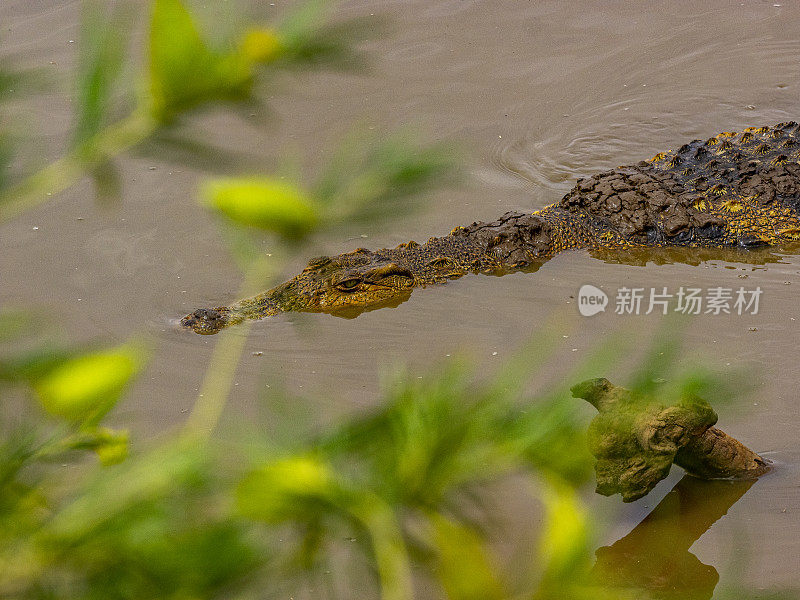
(694, 256)
(653, 560)
(639, 257)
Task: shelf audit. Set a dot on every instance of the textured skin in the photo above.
(732, 190)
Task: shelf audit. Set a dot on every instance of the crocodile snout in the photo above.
(206, 321)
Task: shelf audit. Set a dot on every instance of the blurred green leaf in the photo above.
(261, 45)
(184, 71)
(436, 435)
(387, 544)
(465, 568)
(156, 526)
(114, 494)
(371, 179)
(110, 446)
(361, 183)
(85, 388)
(27, 367)
(285, 488)
(550, 439)
(114, 448)
(428, 438)
(564, 545)
(268, 204)
(307, 39)
(102, 50)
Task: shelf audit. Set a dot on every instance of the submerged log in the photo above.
(636, 440)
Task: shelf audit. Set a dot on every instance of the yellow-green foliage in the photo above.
(265, 203)
(184, 70)
(85, 388)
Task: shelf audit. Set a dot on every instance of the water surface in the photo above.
(540, 93)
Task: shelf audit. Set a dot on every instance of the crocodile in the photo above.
(731, 191)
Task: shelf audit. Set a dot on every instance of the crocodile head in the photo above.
(344, 285)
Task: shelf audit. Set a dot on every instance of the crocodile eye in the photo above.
(349, 285)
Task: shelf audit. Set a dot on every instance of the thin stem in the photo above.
(67, 170)
(217, 381)
(225, 359)
(388, 546)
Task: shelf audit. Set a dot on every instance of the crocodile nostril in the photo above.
(205, 320)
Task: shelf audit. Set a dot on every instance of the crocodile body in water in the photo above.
(732, 190)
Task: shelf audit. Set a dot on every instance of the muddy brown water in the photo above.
(540, 93)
